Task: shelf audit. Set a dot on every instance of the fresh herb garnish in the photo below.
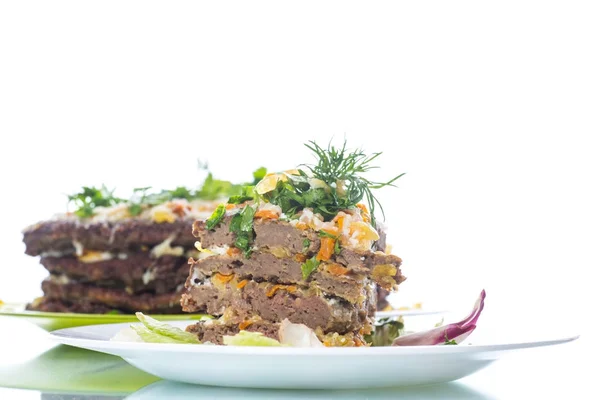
(385, 331)
(258, 175)
(336, 247)
(327, 234)
(309, 267)
(335, 183)
(242, 225)
(305, 245)
(449, 342)
(86, 201)
(90, 198)
(239, 199)
(216, 217)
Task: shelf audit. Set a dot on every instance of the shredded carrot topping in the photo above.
(300, 257)
(326, 250)
(266, 214)
(301, 226)
(337, 269)
(242, 284)
(232, 251)
(179, 209)
(244, 324)
(229, 206)
(223, 278)
(273, 289)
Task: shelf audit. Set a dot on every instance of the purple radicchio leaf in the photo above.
(457, 332)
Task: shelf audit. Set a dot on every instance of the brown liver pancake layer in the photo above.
(274, 303)
(268, 234)
(113, 298)
(59, 235)
(139, 272)
(63, 306)
(264, 266)
(214, 332)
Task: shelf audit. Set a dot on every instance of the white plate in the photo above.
(294, 368)
(415, 312)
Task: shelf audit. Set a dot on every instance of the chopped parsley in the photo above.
(85, 202)
(309, 267)
(336, 248)
(258, 175)
(242, 225)
(327, 234)
(90, 197)
(305, 245)
(239, 199)
(216, 217)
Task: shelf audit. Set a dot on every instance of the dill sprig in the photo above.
(342, 169)
(334, 183)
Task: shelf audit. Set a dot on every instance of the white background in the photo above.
(492, 110)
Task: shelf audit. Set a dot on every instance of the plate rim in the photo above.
(122, 317)
(62, 336)
(126, 317)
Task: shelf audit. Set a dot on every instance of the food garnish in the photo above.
(85, 202)
(153, 330)
(245, 338)
(297, 335)
(385, 331)
(335, 183)
(241, 224)
(309, 266)
(446, 334)
(216, 217)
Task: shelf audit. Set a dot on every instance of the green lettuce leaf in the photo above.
(245, 338)
(155, 331)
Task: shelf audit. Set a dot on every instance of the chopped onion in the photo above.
(297, 335)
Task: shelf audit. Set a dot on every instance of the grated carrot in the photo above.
(232, 251)
(337, 269)
(242, 284)
(223, 278)
(244, 324)
(273, 289)
(301, 226)
(300, 257)
(326, 250)
(266, 214)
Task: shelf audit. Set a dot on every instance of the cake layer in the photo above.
(262, 266)
(213, 331)
(55, 305)
(72, 235)
(281, 237)
(243, 300)
(269, 233)
(113, 298)
(134, 272)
